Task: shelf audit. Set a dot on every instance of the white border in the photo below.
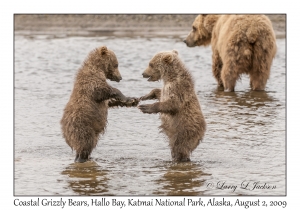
(11, 7)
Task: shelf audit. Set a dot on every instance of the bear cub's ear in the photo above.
(175, 51)
(168, 58)
(103, 50)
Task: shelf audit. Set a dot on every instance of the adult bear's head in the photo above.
(201, 31)
(159, 65)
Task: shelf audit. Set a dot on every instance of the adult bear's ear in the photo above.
(103, 50)
(175, 51)
(168, 58)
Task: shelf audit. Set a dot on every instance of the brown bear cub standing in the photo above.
(85, 115)
(240, 44)
(179, 108)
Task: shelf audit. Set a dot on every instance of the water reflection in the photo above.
(244, 99)
(184, 179)
(87, 178)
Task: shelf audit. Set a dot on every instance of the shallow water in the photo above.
(245, 141)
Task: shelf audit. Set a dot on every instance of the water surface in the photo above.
(244, 142)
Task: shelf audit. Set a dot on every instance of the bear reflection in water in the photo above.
(87, 179)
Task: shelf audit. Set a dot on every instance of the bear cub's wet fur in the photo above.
(181, 117)
(85, 115)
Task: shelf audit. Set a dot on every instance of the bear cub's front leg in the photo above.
(151, 108)
(154, 94)
(118, 95)
(118, 99)
(131, 102)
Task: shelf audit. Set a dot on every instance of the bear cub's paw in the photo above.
(148, 108)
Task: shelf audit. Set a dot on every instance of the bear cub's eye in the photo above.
(194, 28)
(116, 66)
(151, 65)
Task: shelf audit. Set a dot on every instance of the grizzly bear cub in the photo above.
(179, 108)
(241, 44)
(85, 115)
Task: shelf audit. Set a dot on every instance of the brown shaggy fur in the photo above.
(85, 115)
(179, 108)
(240, 44)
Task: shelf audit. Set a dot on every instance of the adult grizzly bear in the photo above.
(240, 44)
(85, 115)
(179, 108)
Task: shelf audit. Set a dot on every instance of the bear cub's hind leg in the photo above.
(81, 157)
(180, 156)
(180, 153)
